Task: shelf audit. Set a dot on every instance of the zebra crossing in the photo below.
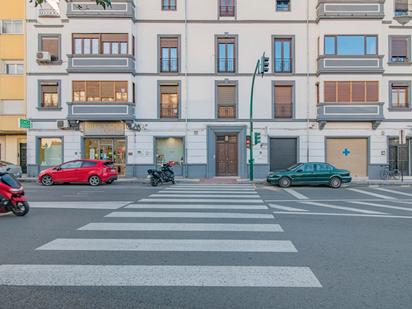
(223, 222)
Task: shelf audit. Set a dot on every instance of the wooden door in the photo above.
(226, 155)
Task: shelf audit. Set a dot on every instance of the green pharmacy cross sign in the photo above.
(24, 123)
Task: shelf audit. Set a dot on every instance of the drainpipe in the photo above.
(307, 85)
(185, 170)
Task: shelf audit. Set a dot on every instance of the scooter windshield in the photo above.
(10, 181)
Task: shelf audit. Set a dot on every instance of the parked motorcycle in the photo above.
(12, 196)
(164, 175)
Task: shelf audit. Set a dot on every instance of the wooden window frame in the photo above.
(101, 41)
(100, 91)
(234, 106)
(168, 7)
(226, 40)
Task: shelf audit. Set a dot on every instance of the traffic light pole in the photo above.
(251, 160)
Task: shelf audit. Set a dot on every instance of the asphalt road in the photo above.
(196, 246)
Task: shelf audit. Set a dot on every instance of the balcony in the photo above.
(403, 11)
(89, 9)
(350, 112)
(101, 64)
(353, 9)
(227, 11)
(350, 64)
(101, 111)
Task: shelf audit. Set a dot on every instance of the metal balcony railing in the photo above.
(227, 10)
(169, 112)
(226, 65)
(226, 112)
(283, 65)
(169, 65)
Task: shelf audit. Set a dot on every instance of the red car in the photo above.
(93, 172)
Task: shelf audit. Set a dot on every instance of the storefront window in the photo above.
(51, 151)
(169, 149)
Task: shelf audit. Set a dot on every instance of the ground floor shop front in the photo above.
(205, 150)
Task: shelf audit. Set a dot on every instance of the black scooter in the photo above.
(165, 174)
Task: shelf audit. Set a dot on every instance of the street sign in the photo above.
(24, 123)
(257, 138)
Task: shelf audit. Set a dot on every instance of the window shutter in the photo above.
(79, 86)
(107, 91)
(169, 42)
(93, 91)
(372, 91)
(226, 40)
(399, 47)
(226, 95)
(330, 91)
(358, 91)
(115, 37)
(49, 88)
(51, 45)
(172, 89)
(283, 94)
(344, 92)
(121, 91)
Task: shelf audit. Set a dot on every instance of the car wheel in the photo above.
(109, 182)
(284, 182)
(47, 180)
(335, 183)
(94, 181)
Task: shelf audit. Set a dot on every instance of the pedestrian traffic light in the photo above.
(257, 138)
(264, 64)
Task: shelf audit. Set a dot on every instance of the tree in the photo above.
(103, 3)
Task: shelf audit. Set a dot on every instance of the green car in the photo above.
(312, 173)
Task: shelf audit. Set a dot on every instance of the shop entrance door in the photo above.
(107, 149)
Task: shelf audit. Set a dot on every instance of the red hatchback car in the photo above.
(93, 172)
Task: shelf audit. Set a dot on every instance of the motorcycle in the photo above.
(165, 174)
(12, 196)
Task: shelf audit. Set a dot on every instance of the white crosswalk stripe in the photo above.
(372, 194)
(344, 208)
(242, 208)
(296, 194)
(79, 205)
(394, 192)
(286, 208)
(381, 206)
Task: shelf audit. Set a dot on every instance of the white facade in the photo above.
(197, 25)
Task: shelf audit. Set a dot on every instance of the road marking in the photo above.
(193, 245)
(344, 208)
(182, 227)
(341, 215)
(196, 206)
(79, 205)
(340, 200)
(382, 206)
(271, 188)
(220, 196)
(215, 186)
(200, 200)
(372, 194)
(157, 275)
(210, 215)
(393, 191)
(208, 191)
(296, 194)
(285, 208)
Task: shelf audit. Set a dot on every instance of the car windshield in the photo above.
(294, 166)
(10, 181)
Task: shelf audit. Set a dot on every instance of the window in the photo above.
(351, 91)
(89, 164)
(227, 8)
(169, 149)
(399, 49)
(14, 69)
(401, 8)
(169, 62)
(169, 101)
(100, 91)
(49, 94)
(226, 101)
(73, 164)
(51, 151)
(283, 96)
(309, 168)
(226, 60)
(97, 44)
(51, 44)
(400, 95)
(351, 45)
(282, 5)
(169, 5)
(323, 167)
(282, 55)
(12, 26)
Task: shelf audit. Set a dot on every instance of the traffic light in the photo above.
(264, 64)
(247, 141)
(257, 138)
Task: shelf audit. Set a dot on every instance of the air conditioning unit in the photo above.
(43, 56)
(63, 124)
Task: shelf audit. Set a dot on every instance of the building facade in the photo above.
(149, 81)
(12, 82)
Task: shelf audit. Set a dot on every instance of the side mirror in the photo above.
(57, 168)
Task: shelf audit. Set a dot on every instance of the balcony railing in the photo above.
(169, 65)
(283, 110)
(332, 9)
(101, 111)
(168, 7)
(101, 64)
(89, 9)
(169, 112)
(350, 64)
(226, 65)
(48, 12)
(227, 11)
(226, 112)
(283, 65)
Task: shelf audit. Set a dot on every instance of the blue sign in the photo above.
(346, 152)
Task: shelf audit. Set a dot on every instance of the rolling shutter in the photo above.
(372, 91)
(358, 92)
(168, 42)
(283, 101)
(344, 94)
(330, 92)
(226, 95)
(399, 47)
(51, 45)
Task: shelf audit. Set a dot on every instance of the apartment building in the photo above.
(149, 81)
(12, 82)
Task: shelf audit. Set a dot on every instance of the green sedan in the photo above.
(310, 173)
